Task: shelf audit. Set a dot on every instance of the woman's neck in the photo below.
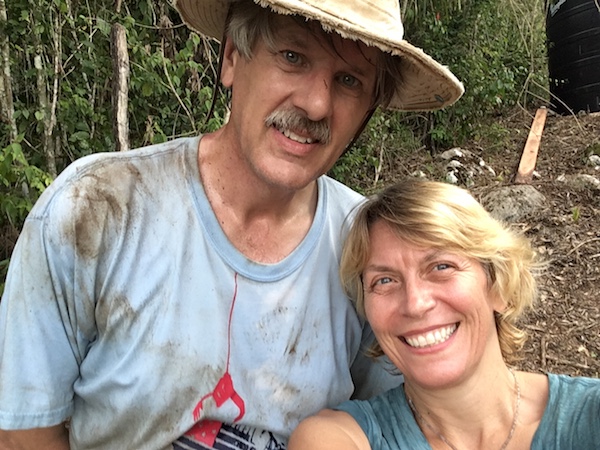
(480, 412)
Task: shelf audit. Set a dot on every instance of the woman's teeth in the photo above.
(432, 338)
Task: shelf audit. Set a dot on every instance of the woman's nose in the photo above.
(416, 300)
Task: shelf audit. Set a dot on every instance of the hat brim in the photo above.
(426, 84)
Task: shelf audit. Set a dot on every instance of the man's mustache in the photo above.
(292, 119)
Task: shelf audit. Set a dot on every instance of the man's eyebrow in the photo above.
(358, 70)
(289, 37)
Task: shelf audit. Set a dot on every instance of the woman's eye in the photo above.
(384, 280)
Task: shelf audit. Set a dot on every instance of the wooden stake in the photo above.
(530, 152)
(120, 98)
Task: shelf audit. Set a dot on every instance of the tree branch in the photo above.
(120, 60)
(7, 110)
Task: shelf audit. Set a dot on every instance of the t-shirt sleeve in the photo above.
(362, 412)
(372, 376)
(572, 416)
(44, 332)
(387, 421)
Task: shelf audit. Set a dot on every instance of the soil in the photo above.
(564, 328)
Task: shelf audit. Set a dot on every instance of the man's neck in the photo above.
(264, 222)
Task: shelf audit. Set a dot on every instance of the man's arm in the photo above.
(51, 438)
(328, 430)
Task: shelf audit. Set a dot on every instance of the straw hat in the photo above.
(426, 84)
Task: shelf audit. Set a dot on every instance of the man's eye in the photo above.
(442, 266)
(291, 57)
(349, 81)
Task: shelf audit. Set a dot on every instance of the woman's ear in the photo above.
(497, 302)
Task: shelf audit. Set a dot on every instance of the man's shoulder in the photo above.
(339, 190)
(111, 175)
(97, 161)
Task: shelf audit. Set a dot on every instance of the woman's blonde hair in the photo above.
(443, 216)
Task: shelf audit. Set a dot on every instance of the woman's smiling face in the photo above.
(430, 309)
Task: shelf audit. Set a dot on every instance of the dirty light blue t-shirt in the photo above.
(127, 309)
(571, 420)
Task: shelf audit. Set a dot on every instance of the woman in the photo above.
(443, 284)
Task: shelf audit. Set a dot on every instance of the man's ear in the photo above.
(229, 59)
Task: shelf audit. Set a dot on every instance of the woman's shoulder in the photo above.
(329, 429)
(567, 390)
(571, 415)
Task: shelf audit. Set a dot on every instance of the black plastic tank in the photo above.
(573, 42)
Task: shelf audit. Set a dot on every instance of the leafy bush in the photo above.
(496, 48)
(20, 185)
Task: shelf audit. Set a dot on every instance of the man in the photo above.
(186, 295)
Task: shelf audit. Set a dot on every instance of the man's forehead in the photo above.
(306, 33)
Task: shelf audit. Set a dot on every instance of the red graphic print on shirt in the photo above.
(206, 430)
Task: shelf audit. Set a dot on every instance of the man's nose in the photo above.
(315, 96)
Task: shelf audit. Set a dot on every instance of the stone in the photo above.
(580, 181)
(513, 204)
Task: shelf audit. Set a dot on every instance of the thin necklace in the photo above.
(447, 442)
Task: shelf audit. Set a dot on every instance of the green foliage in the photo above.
(20, 183)
(359, 164)
(592, 149)
(171, 75)
(576, 213)
(495, 47)
(3, 271)
(387, 139)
